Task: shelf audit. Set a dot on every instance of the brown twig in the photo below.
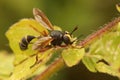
(59, 63)
(55, 66)
(99, 33)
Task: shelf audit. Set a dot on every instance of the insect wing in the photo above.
(18, 31)
(41, 43)
(41, 18)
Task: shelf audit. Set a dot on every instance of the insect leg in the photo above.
(36, 62)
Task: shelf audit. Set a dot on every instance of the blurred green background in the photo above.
(89, 15)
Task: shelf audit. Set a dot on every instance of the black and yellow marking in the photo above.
(25, 41)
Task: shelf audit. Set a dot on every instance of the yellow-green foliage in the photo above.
(104, 53)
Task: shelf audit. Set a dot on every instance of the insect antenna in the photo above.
(76, 27)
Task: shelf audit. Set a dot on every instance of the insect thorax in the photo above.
(57, 37)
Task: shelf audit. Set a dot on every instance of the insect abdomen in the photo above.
(25, 41)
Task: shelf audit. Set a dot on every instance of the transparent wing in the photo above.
(41, 18)
(42, 43)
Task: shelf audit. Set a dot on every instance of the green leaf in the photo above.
(90, 63)
(19, 30)
(72, 56)
(27, 68)
(104, 53)
(6, 65)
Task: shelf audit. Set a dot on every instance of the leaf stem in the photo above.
(59, 63)
(108, 27)
(54, 67)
